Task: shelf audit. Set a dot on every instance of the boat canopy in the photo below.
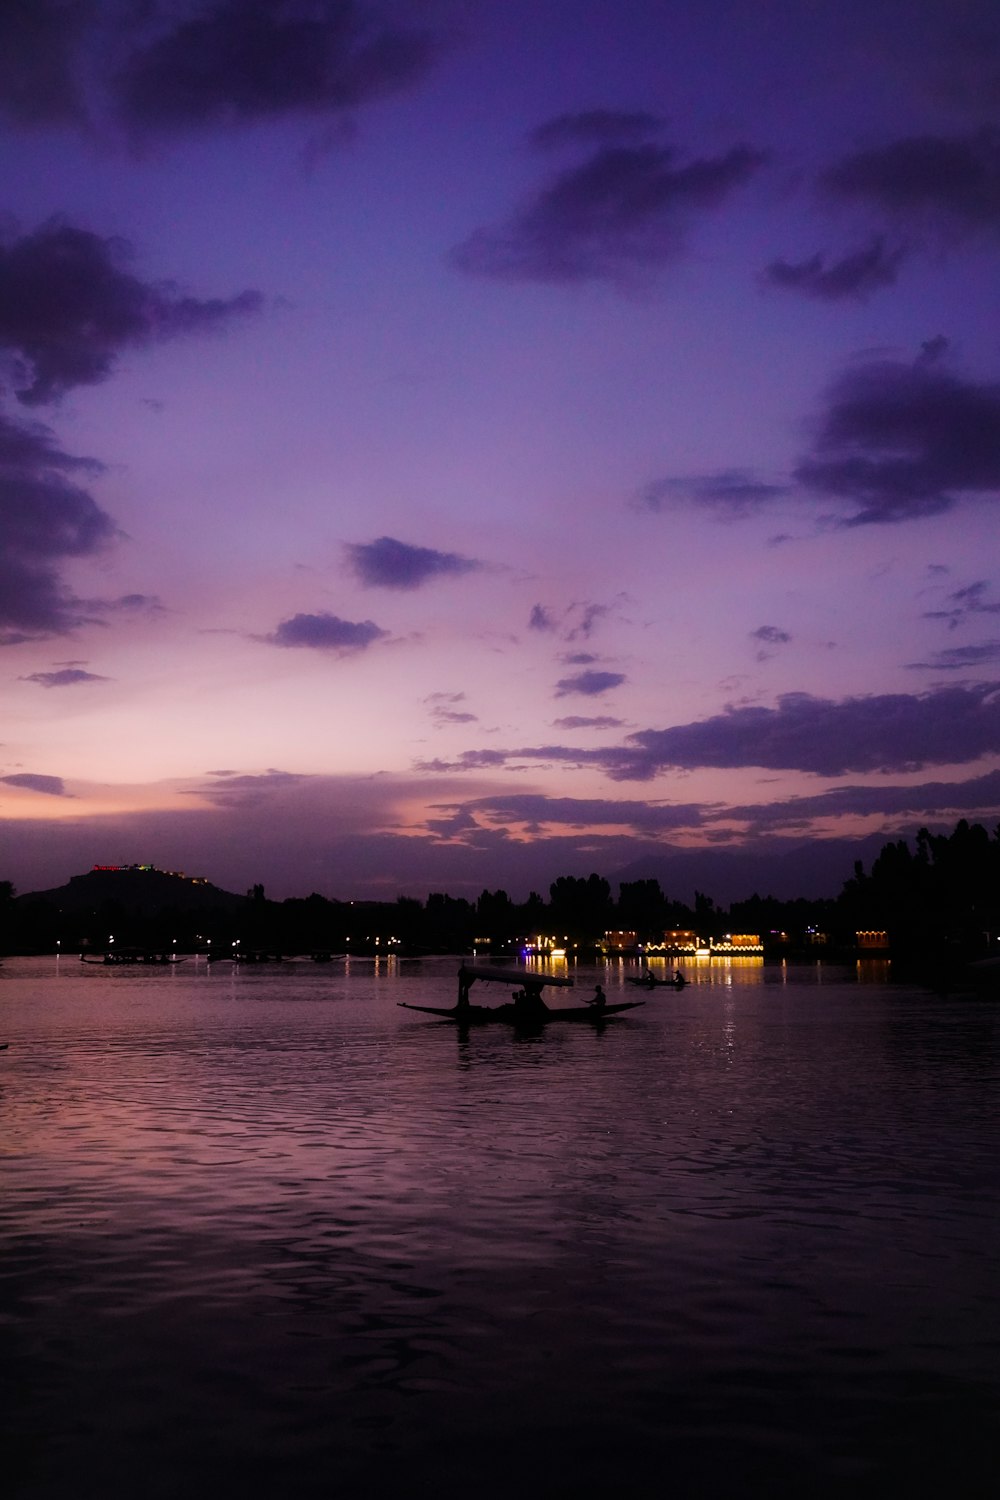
(525, 977)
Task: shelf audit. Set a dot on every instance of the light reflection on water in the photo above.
(265, 1231)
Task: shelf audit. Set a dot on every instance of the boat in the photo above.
(123, 956)
(649, 981)
(526, 1008)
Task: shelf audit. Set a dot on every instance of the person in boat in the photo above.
(600, 999)
(528, 1001)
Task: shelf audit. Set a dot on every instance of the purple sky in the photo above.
(452, 445)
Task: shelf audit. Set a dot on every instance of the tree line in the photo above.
(944, 892)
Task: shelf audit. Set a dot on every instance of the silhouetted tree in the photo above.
(580, 909)
(496, 915)
(642, 908)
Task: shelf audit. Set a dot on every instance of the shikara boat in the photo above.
(649, 981)
(127, 956)
(525, 1008)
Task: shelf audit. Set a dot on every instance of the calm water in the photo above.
(264, 1233)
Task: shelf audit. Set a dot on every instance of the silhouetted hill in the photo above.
(136, 890)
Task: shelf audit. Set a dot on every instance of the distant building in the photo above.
(680, 940)
(872, 939)
(738, 942)
(152, 869)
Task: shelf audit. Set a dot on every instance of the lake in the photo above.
(264, 1233)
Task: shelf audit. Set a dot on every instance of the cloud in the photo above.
(855, 275)
(233, 790)
(65, 677)
(589, 683)
(615, 216)
(932, 350)
(443, 711)
(148, 604)
(49, 786)
(540, 618)
(389, 564)
(732, 492)
(963, 602)
(893, 732)
(926, 799)
(45, 519)
(590, 614)
(240, 61)
(579, 812)
(325, 632)
(888, 732)
(957, 658)
(578, 721)
(901, 441)
(946, 183)
(769, 635)
(38, 46)
(469, 760)
(69, 307)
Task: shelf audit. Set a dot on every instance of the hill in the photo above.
(136, 890)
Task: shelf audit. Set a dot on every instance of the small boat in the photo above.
(127, 956)
(649, 981)
(526, 1008)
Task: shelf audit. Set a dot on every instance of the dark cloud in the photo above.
(65, 677)
(949, 183)
(900, 441)
(443, 709)
(616, 216)
(239, 61)
(581, 812)
(140, 603)
(578, 721)
(855, 275)
(590, 125)
(389, 564)
(325, 632)
(30, 447)
(925, 799)
(125, 604)
(963, 602)
(891, 732)
(38, 47)
(232, 790)
(732, 492)
(590, 615)
(49, 786)
(69, 307)
(591, 684)
(45, 519)
(469, 760)
(958, 658)
(769, 636)
(932, 350)
(540, 618)
(887, 733)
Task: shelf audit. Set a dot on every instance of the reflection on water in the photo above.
(874, 970)
(265, 1232)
